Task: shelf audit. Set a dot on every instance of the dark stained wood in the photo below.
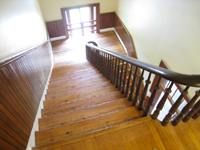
(55, 28)
(22, 81)
(191, 112)
(186, 108)
(125, 36)
(107, 20)
(175, 106)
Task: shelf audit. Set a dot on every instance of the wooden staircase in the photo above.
(84, 110)
(80, 101)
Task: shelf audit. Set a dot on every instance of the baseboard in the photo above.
(121, 41)
(107, 29)
(31, 142)
(58, 38)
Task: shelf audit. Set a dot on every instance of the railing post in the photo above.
(137, 94)
(144, 94)
(196, 115)
(121, 75)
(162, 102)
(186, 108)
(133, 85)
(151, 99)
(128, 83)
(191, 112)
(114, 82)
(175, 106)
(118, 65)
(124, 82)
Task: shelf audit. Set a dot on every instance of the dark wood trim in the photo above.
(125, 36)
(107, 20)
(55, 28)
(22, 81)
(19, 55)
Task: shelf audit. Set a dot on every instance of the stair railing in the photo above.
(127, 74)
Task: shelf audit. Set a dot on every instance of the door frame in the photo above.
(63, 10)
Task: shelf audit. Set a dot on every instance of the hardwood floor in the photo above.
(84, 111)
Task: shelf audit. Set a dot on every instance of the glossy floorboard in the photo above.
(84, 111)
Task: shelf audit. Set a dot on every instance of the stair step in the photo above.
(65, 131)
(92, 134)
(75, 84)
(82, 114)
(79, 90)
(81, 104)
(76, 78)
(79, 96)
(65, 74)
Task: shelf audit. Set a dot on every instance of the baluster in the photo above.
(114, 82)
(128, 83)
(133, 85)
(186, 108)
(110, 69)
(124, 82)
(151, 99)
(103, 63)
(175, 106)
(121, 76)
(118, 69)
(106, 65)
(191, 112)
(138, 89)
(162, 102)
(196, 115)
(144, 94)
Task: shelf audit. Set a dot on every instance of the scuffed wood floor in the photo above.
(84, 111)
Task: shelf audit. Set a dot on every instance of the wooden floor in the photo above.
(84, 111)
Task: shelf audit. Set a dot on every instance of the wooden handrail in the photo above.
(127, 73)
(185, 79)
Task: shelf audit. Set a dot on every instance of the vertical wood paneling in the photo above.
(22, 82)
(55, 28)
(125, 36)
(107, 20)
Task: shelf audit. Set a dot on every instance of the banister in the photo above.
(124, 73)
(185, 79)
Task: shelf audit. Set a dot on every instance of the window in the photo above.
(81, 20)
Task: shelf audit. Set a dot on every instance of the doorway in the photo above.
(81, 20)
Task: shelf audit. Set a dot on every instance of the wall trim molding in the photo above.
(121, 41)
(31, 141)
(107, 29)
(20, 54)
(58, 38)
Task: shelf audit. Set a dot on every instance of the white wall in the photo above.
(165, 29)
(21, 26)
(51, 9)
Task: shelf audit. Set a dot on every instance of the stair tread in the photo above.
(79, 90)
(81, 114)
(76, 80)
(92, 134)
(74, 84)
(66, 78)
(62, 132)
(81, 104)
(79, 96)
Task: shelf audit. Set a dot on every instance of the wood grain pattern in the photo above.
(125, 36)
(55, 28)
(22, 81)
(107, 20)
